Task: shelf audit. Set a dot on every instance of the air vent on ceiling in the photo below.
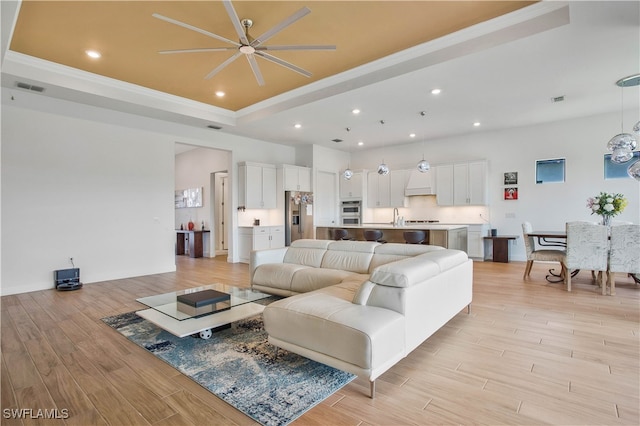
(211, 126)
(558, 99)
(29, 87)
(337, 140)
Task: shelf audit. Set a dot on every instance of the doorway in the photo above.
(220, 197)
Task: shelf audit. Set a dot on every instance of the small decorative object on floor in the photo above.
(607, 206)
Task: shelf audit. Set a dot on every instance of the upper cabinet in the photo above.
(386, 190)
(351, 189)
(462, 184)
(296, 178)
(256, 185)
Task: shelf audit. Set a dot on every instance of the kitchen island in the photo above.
(447, 236)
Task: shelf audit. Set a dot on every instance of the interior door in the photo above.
(326, 198)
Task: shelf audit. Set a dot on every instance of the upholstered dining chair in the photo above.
(539, 255)
(624, 254)
(587, 248)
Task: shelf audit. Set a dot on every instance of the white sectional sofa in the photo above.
(359, 306)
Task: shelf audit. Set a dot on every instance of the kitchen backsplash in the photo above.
(425, 208)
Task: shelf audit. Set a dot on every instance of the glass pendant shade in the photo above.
(622, 146)
(423, 166)
(347, 174)
(383, 169)
(634, 170)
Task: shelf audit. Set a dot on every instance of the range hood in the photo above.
(420, 184)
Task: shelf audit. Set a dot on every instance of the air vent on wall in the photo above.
(558, 99)
(337, 140)
(29, 87)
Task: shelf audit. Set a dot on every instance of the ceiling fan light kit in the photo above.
(248, 46)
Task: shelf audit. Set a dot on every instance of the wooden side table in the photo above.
(196, 243)
(501, 247)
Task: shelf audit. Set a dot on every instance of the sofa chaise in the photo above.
(359, 306)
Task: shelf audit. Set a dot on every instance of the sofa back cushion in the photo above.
(306, 252)
(410, 271)
(387, 253)
(353, 256)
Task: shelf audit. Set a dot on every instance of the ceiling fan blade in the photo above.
(255, 69)
(285, 64)
(212, 49)
(219, 68)
(297, 47)
(281, 26)
(235, 21)
(196, 29)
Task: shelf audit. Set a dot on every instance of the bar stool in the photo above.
(414, 237)
(373, 235)
(341, 234)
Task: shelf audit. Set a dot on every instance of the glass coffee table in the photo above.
(177, 313)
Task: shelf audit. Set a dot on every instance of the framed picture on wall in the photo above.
(511, 178)
(511, 193)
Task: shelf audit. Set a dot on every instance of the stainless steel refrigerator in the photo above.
(298, 216)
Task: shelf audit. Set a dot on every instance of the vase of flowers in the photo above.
(607, 205)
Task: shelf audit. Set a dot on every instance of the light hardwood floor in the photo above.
(529, 353)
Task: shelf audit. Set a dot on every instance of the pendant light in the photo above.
(383, 169)
(348, 174)
(423, 165)
(623, 144)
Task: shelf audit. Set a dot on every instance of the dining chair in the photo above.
(587, 248)
(540, 255)
(624, 255)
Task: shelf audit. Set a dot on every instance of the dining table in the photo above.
(559, 239)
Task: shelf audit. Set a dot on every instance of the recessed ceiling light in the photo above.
(93, 54)
(476, 124)
(435, 91)
(220, 93)
(412, 135)
(355, 111)
(360, 143)
(297, 125)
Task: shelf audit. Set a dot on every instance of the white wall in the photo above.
(581, 141)
(96, 185)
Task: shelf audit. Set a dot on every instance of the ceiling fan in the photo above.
(248, 46)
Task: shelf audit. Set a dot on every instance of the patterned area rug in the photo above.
(240, 367)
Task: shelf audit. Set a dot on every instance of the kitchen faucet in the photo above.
(395, 216)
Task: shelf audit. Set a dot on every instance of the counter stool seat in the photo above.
(373, 235)
(341, 234)
(414, 237)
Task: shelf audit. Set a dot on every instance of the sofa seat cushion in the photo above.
(364, 336)
(277, 275)
(309, 279)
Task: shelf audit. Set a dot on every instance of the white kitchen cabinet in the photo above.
(351, 189)
(462, 184)
(386, 190)
(475, 240)
(256, 185)
(444, 184)
(258, 238)
(296, 178)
